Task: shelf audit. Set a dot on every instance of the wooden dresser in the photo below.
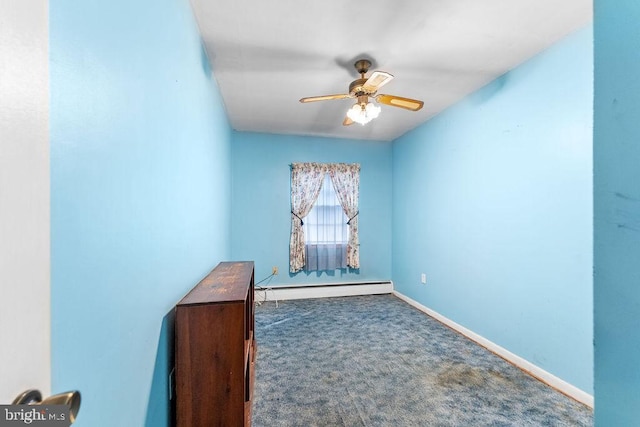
(215, 349)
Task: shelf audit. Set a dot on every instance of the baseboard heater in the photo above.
(322, 290)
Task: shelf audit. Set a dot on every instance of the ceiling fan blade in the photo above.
(376, 81)
(347, 121)
(398, 101)
(325, 97)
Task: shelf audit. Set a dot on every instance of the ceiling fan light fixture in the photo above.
(364, 89)
(363, 113)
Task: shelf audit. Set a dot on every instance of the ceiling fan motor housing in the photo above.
(356, 88)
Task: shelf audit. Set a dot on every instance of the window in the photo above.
(326, 231)
(327, 222)
(324, 216)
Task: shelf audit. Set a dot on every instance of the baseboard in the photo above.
(280, 293)
(528, 367)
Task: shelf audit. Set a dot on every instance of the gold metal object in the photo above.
(362, 66)
(70, 398)
(355, 88)
(363, 88)
(28, 397)
(34, 397)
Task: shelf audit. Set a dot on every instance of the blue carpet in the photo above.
(376, 361)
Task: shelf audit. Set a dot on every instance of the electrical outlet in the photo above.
(274, 271)
(423, 278)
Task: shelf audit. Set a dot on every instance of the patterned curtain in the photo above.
(346, 181)
(306, 181)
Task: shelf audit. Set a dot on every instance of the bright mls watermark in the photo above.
(34, 415)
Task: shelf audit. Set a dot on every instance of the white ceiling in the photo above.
(267, 54)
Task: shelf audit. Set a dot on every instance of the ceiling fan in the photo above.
(362, 89)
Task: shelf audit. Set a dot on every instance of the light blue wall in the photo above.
(140, 197)
(617, 212)
(261, 203)
(493, 201)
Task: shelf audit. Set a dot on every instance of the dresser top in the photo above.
(228, 282)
